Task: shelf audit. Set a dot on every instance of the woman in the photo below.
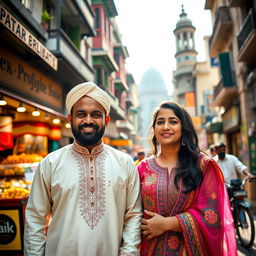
(186, 209)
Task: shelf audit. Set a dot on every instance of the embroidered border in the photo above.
(91, 202)
(193, 236)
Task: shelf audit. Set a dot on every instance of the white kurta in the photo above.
(229, 166)
(90, 201)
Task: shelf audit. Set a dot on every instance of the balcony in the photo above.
(236, 3)
(70, 60)
(104, 57)
(77, 12)
(222, 29)
(226, 90)
(246, 39)
(120, 84)
(129, 101)
(182, 70)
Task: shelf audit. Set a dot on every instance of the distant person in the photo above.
(140, 157)
(87, 194)
(229, 164)
(212, 150)
(186, 207)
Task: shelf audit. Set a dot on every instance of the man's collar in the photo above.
(83, 150)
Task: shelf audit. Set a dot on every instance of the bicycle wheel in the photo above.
(245, 227)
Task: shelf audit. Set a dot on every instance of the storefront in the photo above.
(32, 121)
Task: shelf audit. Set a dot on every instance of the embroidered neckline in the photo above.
(83, 150)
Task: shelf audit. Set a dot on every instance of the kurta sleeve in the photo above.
(131, 231)
(37, 213)
(240, 167)
(207, 225)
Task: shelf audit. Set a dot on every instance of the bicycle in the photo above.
(243, 217)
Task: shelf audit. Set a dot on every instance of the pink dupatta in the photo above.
(207, 224)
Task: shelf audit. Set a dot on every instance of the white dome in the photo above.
(152, 81)
(184, 20)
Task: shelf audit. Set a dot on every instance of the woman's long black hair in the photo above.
(187, 168)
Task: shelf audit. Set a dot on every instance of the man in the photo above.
(229, 164)
(86, 194)
(140, 157)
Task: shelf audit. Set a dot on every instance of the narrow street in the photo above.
(252, 252)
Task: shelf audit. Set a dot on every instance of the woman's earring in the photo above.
(183, 143)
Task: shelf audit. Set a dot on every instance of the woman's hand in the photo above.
(153, 227)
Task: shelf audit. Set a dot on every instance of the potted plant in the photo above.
(45, 18)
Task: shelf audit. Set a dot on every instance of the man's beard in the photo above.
(88, 138)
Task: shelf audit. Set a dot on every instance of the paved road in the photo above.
(252, 252)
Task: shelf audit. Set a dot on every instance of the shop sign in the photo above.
(27, 38)
(21, 77)
(10, 234)
(230, 119)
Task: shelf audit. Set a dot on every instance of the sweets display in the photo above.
(13, 189)
(22, 158)
(16, 174)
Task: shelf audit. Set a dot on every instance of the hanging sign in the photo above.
(27, 38)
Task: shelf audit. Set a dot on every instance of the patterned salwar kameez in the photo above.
(204, 214)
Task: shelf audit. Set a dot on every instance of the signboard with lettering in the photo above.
(27, 38)
(230, 118)
(23, 78)
(10, 230)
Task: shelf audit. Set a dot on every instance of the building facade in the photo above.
(46, 48)
(232, 41)
(109, 55)
(39, 65)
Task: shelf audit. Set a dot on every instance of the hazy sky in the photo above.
(147, 28)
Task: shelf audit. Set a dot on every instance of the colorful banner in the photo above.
(6, 137)
(54, 133)
(30, 127)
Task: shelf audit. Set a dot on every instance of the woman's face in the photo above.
(167, 128)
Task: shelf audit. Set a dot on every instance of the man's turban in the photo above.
(87, 89)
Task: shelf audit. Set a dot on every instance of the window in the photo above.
(97, 18)
(226, 68)
(98, 76)
(105, 24)
(185, 38)
(117, 59)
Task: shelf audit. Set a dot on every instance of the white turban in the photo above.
(87, 89)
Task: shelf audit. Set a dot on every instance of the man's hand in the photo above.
(248, 174)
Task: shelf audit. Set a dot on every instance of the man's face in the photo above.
(221, 151)
(88, 122)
